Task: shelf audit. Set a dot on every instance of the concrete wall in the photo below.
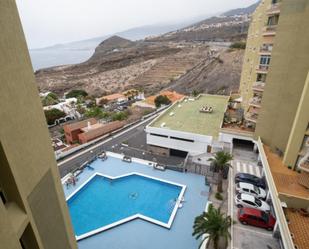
(197, 147)
(286, 77)
(27, 156)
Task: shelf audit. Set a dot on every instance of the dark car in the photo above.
(255, 217)
(244, 177)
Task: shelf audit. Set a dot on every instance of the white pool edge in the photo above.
(136, 216)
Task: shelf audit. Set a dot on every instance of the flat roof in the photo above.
(185, 115)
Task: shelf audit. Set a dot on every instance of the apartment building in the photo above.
(275, 97)
(33, 211)
(273, 81)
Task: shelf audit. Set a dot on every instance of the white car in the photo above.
(248, 188)
(245, 200)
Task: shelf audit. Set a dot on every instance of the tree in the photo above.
(53, 114)
(195, 93)
(214, 225)
(76, 93)
(162, 100)
(220, 162)
(96, 112)
(50, 99)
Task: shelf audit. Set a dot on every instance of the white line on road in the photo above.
(238, 226)
(238, 166)
(250, 169)
(258, 173)
(105, 141)
(244, 168)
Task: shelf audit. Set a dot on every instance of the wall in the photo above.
(26, 146)
(197, 147)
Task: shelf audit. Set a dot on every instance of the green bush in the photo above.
(238, 45)
(219, 196)
(53, 114)
(96, 112)
(120, 116)
(162, 100)
(76, 93)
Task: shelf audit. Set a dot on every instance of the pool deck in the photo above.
(138, 233)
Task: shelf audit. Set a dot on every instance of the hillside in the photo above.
(229, 26)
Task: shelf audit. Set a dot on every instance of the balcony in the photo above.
(262, 68)
(270, 30)
(252, 117)
(274, 9)
(258, 86)
(266, 49)
(255, 102)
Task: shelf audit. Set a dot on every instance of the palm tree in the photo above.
(221, 161)
(214, 225)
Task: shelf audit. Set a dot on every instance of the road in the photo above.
(135, 137)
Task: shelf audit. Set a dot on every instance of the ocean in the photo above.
(43, 58)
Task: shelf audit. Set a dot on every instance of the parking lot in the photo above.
(246, 236)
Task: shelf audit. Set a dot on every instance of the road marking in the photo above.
(258, 173)
(251, 169)
(244, 168)
(238, 226)
(238, 166)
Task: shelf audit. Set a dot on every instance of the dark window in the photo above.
(183, 139)
(265, 60)
(3, 199)
(158, 135)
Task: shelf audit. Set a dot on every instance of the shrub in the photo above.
(238, 45)
(219, 196)
(162, 100)
(53, 114)
(96, 112)
(120, 116)
(76, 93)
(50, 99)
(289, 167)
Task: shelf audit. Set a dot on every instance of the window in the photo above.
(2, 197)
(265, 60)
(158, 135)
(183, 139)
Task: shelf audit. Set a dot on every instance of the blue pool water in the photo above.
(103, 201)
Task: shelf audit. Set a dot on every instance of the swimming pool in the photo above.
(103, 202)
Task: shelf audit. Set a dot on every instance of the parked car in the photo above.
(245, 200)
(255, 217)
(248, 188)
(244, 177)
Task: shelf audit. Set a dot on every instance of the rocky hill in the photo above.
(182, 60)
(229, 26)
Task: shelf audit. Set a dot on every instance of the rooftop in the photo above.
(286, 180)
(172, 96)
(299, 227)
(79, 125)
(185, 115)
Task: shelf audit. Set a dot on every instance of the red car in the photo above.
(255, 217)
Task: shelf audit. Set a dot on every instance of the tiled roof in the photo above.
(172, 96)
(114, 96)
(286, 180)
(299, 227)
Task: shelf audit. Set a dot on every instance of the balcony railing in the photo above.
(251, 117)
(255, 101)
(266, 48)
(258, 86)
(274, 9)
(262, 68)
(270, 30)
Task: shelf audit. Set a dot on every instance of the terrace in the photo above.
(139, 233)
(186, 115)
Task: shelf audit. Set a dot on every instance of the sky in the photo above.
(50, 22)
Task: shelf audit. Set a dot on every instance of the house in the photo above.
(116, 98)
(87, 130)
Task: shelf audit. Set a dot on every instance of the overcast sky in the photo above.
(49, 22)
